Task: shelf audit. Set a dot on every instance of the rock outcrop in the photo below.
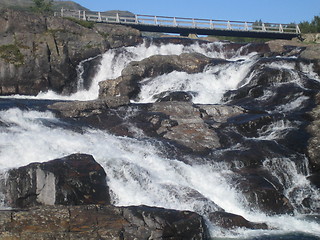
(74, 180)
(101, 222)
(39, 53)
(128, 83)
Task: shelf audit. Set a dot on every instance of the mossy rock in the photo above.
(83, 23)
(11, 54)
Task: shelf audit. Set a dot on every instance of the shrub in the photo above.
(11, 54)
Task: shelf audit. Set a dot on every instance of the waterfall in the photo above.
(141, 172)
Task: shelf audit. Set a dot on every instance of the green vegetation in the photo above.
(42, 6)
(27, 5)
(242, 39)
(310, 27)
(83, 23)
(11, 54)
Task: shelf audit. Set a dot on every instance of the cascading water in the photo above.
(137, 169)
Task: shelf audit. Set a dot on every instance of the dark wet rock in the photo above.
(262, 191)
(89, 69)
(39, 53)
(128, 83)
(178, 96)
(185, 126)
(73, 180)
(232, 221)
(159, 223)
(101, 222)
(87, 108)
(314, 141)
(315, 179)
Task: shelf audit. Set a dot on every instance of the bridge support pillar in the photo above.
(193, 36)
(189, 35)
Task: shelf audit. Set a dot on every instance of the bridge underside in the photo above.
(213, 32)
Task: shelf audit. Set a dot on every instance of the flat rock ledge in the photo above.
(101, 222)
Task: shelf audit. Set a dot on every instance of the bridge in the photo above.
(186, 26)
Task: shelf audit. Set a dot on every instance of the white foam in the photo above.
(207, 87)
(115, 60)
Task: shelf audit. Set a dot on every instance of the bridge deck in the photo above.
(187, 26)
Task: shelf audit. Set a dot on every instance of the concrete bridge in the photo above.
(186, 26)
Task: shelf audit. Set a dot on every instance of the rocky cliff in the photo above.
(39, 53)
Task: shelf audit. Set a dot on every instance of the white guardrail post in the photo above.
(118, 18)
(246, 27)
(175, 22)
(280, 28)
(229, 25)
(298, 29)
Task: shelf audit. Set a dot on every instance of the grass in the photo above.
(243, 39)
(11, 54)
(83, 23)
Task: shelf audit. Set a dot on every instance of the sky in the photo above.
(272, 11)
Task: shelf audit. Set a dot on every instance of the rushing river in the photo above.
(139, 172)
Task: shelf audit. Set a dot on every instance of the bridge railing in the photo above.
(180, 22)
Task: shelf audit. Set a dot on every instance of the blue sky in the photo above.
(276, 11)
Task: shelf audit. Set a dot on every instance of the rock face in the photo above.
(40, 53)
(313, 144)
(101, 222)
(74, 180)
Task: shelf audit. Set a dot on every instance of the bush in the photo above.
(11, 54)
(42, 6)
(310, 27)
(83, 23)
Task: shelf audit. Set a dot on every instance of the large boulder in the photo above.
(312, 52)
(87, 108)
(73, 180)
(101, 222)
(232, 221)
(184, 125)
(38, 53)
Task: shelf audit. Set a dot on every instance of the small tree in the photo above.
(311, 27)
(42, 6)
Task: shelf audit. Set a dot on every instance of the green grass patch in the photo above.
(83, 23)
(11, 54)
(243, 39)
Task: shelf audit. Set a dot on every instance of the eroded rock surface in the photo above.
(40, 53)
(73, 180)
(101, 222)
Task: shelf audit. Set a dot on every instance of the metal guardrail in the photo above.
(192, 23)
